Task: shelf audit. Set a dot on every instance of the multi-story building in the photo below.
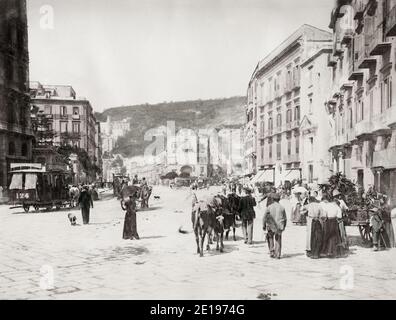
(315, 128)
(362, 103)
(98, 151)
(111, 131)
(272, 134)
(71, 118)
(15, 129)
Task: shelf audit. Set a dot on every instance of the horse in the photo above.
(145, 193)
(74, 193)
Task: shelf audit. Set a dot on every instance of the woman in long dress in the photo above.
(332, 243)
(314, 228)
(130, 228)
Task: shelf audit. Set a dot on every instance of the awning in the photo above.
(267, 176)
(291, 175)
(257, 177)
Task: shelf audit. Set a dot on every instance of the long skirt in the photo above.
(390, 233)
(343, 235)
(85, 214)
(130, 228)
(316, 238)
(332, 246)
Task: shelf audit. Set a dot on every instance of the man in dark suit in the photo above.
(247, 215)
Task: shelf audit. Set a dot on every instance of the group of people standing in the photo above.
(324, 218)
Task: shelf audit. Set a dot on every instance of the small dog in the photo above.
(157, 197)
(72, 219)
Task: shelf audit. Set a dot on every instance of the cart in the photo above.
(38, 186)
(360, 218)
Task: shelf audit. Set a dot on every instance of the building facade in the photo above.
(71, 119)
(362, 101)
(272, 137)
(15, 129)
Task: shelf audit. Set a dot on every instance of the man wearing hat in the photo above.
(247, 214)
(274, 221)
(85, 202)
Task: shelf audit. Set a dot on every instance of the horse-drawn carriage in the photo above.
(35, 185)
(142, 193)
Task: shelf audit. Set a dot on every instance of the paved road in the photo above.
(93, 262)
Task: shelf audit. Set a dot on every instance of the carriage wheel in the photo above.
(365, 233)
(36, 208)
(26, 207)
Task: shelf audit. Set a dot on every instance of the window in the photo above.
(310, 173)
(362, 111)
(76, 127)
(278, 147)
(289, 116)
(289, 145)
(310, 75)
(386, 94)
(311, 142)
(270, 149)
(297, 113)
(24, 149)
(262, 128)
(63, 126)
(48, 109)
(297, 145)
(63, 110)
(279, 121)
(350, 118)
(270, 125)
(11, 148)
(310, 105)
(50, 127)
(76, 111)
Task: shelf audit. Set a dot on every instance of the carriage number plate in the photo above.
(22, 195)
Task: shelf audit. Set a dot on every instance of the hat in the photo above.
(336, 193)
(248, 190)
(275, 196)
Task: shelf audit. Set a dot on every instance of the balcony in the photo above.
(377, 46)
(390, 28)
(367, 62)
(363, 128)
(384, 158)
(76, 117)
(372, 7)
(355, 74)
(268, 161)
(331, 61)
(347, 36)
(360, 6)
(291, 158)
(350, 135)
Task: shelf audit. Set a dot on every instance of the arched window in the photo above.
(11, 148)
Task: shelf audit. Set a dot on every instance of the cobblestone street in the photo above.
(94, 262)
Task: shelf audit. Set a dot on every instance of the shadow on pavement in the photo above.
(227, 249)
(292, 255)
(358, 241)
(152, 237)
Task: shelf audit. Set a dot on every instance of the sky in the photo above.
(126, 52)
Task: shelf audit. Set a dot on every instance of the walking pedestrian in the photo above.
(344, 208)
(130, 226)
(247, 215)
(314, 228)
(85, 202)
(274, 222)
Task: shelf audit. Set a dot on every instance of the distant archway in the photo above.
(186, 170)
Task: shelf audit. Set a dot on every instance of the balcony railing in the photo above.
(377, 44)
(390, 28)
(385, 158)
(363, 128)
(268, 161)
(347, 36)
(291, 158)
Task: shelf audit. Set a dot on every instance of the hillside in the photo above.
(215, 113)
